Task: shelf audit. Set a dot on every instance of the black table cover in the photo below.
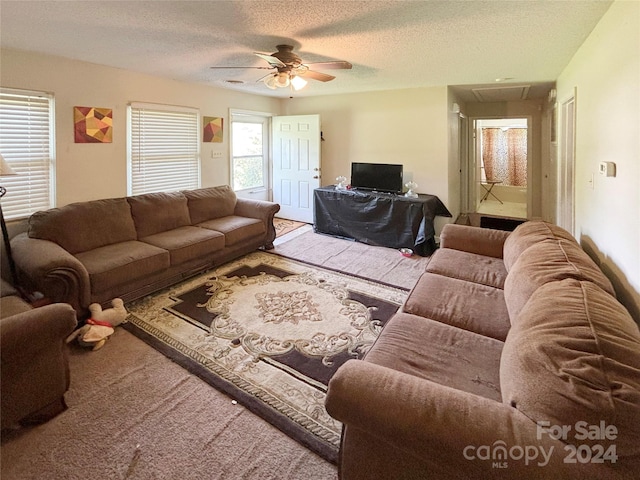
(375, 218)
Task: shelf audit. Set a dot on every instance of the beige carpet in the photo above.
(385, 265)
(134, 414)
(119, 424)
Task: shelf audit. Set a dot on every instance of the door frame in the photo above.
(471, 168)
(293, 135)
(567, 164)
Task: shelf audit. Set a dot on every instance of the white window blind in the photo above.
(164, 148)
(26, 143)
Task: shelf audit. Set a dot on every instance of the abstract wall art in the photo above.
(93, 125)
(212, 129)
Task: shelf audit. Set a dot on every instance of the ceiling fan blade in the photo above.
(273, 61)
(330, 65)
(261, 68)
(323, 77)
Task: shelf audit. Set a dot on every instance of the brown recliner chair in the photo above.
(34, 368)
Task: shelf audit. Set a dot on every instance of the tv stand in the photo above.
(378, 218)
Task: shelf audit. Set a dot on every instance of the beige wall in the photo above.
(91, 171)
(408, 127)
(606, 74)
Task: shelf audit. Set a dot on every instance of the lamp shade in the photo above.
(282, 80)
(5, 168)
(270, 81)
(298, 82)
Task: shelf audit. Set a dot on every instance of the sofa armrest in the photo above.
(25, 334)
(53, 271)
(261, 210)
(440, 426)
(35, 372)
(481, 241)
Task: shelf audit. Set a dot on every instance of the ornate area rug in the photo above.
(269, 332)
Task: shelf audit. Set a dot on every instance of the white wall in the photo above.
(408, 127)
(90, 171)
(606, 73)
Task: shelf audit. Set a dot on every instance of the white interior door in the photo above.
(296, 165)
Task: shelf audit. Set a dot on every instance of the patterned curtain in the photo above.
(504, 155)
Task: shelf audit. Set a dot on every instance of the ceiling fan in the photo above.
(289, 69)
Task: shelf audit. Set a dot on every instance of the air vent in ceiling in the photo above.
(501, 94)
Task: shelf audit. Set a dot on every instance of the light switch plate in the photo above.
(607, 169)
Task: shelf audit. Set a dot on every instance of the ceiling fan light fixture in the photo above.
(270, 81)
(282, 80)
(298, 83)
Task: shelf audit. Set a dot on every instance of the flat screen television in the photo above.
(379, 177)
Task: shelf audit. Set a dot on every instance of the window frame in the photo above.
(192, 147)
(247, 116)
(33, 161)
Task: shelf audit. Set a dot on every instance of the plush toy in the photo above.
(100, 325)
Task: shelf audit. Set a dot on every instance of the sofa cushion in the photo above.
(548, 261)
(440, 353)
(121, 263)
(12, 305)
(159, 212)
(83, 226)
(236, 229)
(528, 234)
(187, 243)
(574, 356)
(468, 266)
(471, 306)
(6, 289)
(209, 203)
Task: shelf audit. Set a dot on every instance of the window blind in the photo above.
(26, 143)
(164, 149)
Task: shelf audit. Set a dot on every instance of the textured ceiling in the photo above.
(391, 44)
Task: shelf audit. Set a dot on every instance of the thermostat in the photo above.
(607, 169)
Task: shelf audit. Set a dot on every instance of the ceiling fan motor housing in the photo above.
(285, 55)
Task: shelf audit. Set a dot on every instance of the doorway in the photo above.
(499, 167)
(296, 165)
(276, 158)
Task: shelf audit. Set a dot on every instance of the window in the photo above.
(27, 144)
(164, 148)
(249, 152)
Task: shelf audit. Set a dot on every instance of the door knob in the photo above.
(316, 176)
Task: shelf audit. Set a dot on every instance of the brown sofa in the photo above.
(92, 252)
(34, 365)
(511, 358)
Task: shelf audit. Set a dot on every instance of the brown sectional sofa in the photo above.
(511, 358)
(35, 369)
(92, 252)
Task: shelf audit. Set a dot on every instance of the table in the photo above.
(488, 191)
(382, 219)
